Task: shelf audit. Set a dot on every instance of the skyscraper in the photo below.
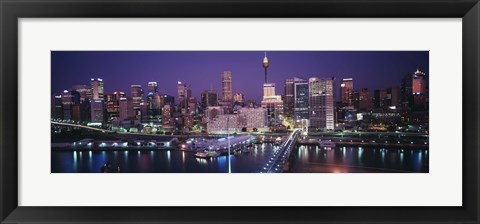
(300, 100)
(209, 98)
(84, 90)
(97, 88)
(227, 86)
(69, 98)
(346, 91)
(289, 98)
(183, 94)
(365, 102)
(321, 103)
(137, 94)
(152, 87)
(97, 108)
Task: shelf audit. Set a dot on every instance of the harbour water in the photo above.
(305, 159)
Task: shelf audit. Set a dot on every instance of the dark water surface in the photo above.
(305, 159)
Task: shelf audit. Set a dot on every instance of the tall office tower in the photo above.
(84, 90)
(126, 109)
(321, 103)
(406, 91)
(167, 118)
(346, 91)
(265, 65)
(57, 108)
(419, 91)
(69, 98)
(154, 104)
(289, 99)
(137, 96)
(192, 105)
(97, 108)
(183, 95)
(227, 86)
(380, 98)
(300, 101)
(97, 88)
(273, 104)
(365, 101)
(209, 98)
(239, 99)
(152, 87)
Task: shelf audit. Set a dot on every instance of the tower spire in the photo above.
(265, 65)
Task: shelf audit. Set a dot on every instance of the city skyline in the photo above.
(117, 68)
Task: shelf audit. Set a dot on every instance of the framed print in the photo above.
(224, 111)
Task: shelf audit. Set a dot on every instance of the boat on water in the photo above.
(207, 154)
(326, 143)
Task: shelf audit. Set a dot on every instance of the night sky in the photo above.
(201, 69)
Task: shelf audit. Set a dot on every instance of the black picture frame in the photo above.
(11, 11)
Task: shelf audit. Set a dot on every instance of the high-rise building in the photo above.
(192, 105)
(239, 99)
(167, 118)
(97, 88)
(321, 103)
(97, 108)
(272, 103)
(154, 104)
(152, 87)
(85, 92)
(419, 91)
(170, 100)
(289, 100)
(209, 98)
(57, 108)
(300, 100)
(137, 94)
(227, 86)
(386, 98)
(69, 98)
(365, 101)
(126, 109)
(183, 94)
(346, 91)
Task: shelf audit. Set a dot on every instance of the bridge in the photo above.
(279, 159)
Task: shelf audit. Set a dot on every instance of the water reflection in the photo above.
(305, 159)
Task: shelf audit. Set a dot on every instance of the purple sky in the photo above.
(202, 69)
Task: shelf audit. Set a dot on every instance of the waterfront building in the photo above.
(364, 100)
(321, 103)
(167, 118)
(184, 93)
(271, 102)
(57, 108)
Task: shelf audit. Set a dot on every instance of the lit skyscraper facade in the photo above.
(85, 92)
(300, 100)
(184, 94)
(97, 88)
(227, 92)
(346, 91)
(321, 103)
(97, 108)
(289, 100)
(152, 87)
